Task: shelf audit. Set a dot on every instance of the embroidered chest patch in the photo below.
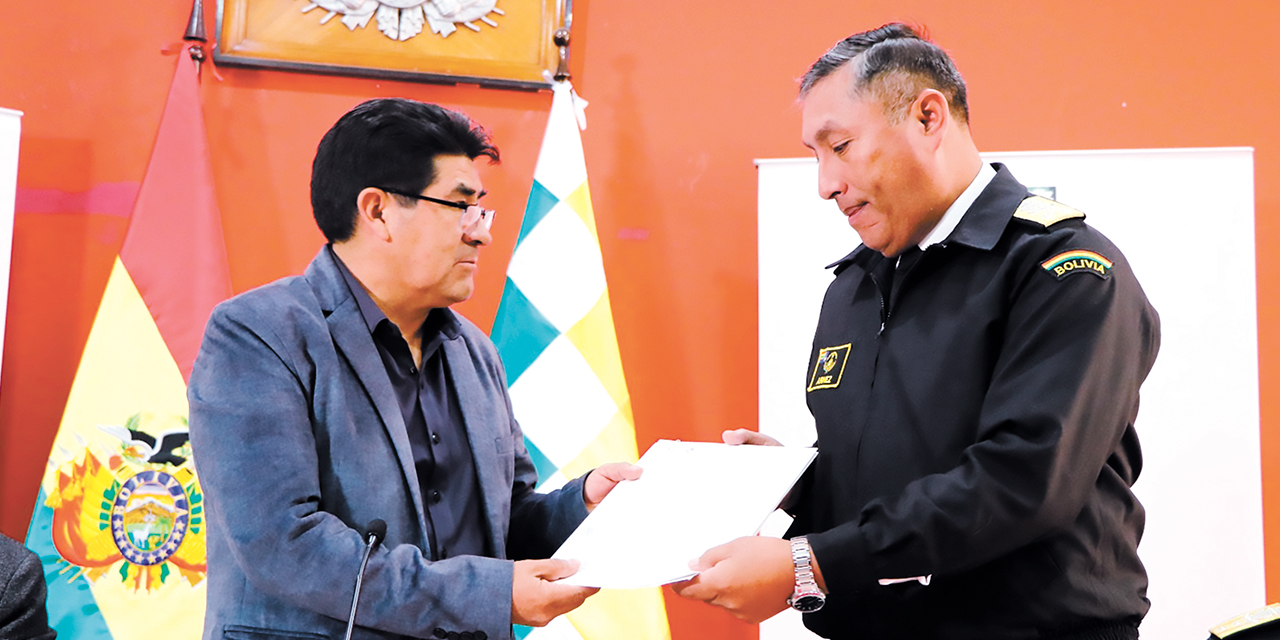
(1078, 261)
(829, 367)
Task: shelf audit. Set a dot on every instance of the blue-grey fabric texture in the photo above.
(299, 443)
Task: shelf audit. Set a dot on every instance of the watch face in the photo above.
(807, 603)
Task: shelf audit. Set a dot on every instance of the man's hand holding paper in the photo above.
(692, 496)
(604, 478)
(750, 577)
(538, 592)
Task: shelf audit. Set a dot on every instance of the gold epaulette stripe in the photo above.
(1249, 620)
(1045, 212)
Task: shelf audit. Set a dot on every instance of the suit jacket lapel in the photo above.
(478, 405)
(352, 339)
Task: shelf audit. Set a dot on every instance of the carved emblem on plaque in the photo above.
(403, 19)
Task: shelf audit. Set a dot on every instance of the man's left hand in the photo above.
(604, 478)
(750, 578)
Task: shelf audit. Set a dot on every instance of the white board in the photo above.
(1185, 220)
(10, 131)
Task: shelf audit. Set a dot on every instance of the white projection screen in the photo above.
(10, 132)
(1185, 220)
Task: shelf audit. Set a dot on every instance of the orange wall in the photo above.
(683, 96)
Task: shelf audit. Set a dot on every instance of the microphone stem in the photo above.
(355, 599)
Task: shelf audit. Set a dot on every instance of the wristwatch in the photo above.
(807, 597)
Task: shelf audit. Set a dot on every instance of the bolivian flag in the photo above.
(555, 332)
(119, 520)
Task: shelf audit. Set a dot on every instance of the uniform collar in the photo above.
(980, 227)
(955, 212)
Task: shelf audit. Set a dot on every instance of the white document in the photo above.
(692, 496)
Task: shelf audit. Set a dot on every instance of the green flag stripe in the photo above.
(540, 202)
(520, 332)
(546, 468)
(73, 612)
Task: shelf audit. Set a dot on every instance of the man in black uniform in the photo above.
(974, 380)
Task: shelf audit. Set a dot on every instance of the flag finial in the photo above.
(561, 38)
(196, 34)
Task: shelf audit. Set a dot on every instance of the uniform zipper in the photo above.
(885, 311)
(884, 304)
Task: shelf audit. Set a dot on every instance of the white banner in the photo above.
(10, 131)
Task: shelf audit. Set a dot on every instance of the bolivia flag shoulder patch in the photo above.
(1078, 261)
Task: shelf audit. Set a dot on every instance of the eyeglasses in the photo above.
(471, 213)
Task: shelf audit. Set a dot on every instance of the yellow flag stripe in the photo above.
(580, 202)
(596, 340)
(622, 613)
(126, 369)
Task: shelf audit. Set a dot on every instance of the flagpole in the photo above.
(196, 34)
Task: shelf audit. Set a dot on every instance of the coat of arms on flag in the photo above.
(138, 502)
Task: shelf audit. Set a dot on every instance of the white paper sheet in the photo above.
(692, 496)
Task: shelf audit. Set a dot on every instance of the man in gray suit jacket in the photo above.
(322, 402)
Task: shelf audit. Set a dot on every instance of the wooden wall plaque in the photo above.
(504, 43)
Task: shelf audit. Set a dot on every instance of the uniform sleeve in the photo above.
(1063, 395)
(256, 452)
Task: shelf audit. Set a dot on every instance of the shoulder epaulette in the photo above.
(1267, 615)
(1045, 212)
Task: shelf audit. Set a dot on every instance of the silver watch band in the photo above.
(806, 597)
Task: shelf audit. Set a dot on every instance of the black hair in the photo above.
(390, 143)
(895, 63)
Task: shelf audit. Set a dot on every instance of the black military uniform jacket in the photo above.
(977, 427)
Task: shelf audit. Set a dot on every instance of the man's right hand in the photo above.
(747, 436)
(536, 597)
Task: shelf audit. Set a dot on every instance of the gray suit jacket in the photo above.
(299, 444)
(23, 615)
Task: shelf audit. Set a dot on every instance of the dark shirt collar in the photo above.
(440, 320)
(980, 228)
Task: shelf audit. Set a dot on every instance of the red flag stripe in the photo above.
(174, 249)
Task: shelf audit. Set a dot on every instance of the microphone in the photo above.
(377, 531)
